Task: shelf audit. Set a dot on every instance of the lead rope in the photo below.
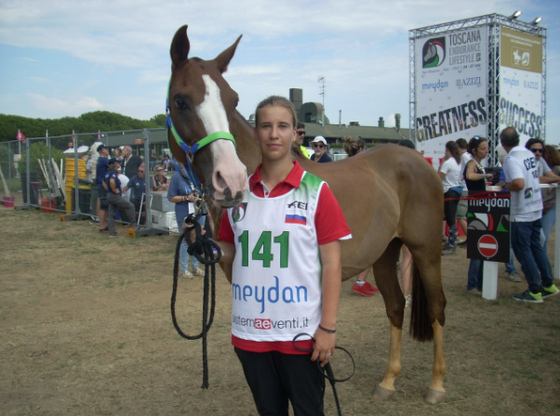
(207, 252)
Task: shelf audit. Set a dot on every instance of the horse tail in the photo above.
(420, 325)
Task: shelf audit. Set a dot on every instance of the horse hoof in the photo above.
(434, 396)
(382, 394)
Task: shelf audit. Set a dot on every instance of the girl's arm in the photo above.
(332, 279)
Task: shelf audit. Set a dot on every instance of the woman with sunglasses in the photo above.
(300, 135)
(475, 178)
(319, 145)
(159, 181)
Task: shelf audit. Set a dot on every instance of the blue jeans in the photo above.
(183, 255)
(526, 243)
(548, 220)
(475, 274)
(510, 267)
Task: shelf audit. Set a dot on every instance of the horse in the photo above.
(389, 195)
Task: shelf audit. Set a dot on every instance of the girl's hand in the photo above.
(323, 348)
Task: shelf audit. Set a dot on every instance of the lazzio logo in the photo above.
(433, 52)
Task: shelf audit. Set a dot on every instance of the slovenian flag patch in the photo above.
(296, 219)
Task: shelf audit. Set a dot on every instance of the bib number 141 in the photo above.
(262, 249)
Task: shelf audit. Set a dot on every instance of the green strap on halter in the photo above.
(219, 135)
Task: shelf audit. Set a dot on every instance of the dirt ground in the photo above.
(86, 330)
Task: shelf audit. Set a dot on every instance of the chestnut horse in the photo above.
(389, 195)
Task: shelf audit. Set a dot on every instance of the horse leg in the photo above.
(428, 305)
(385, 272)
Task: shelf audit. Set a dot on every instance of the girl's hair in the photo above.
(474, 143)
(551, 155)
(352, 145)
(454, 150)
(276, 100)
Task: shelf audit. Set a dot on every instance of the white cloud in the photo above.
(55, 106)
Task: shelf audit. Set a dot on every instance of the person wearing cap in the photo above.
(101, 169)
(112, 185)
(319, 145)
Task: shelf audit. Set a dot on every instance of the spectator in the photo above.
(100, 170)
(183, 193)
(166, 162)
(462, 206)
(475, 177)
(353, 146)
(159, 180)
(112, 185)
(300, 135)
(153, 158)
(130, 162)
(137, 188)
(450, 175)
(320, 146)
(520, 170)
(552, 157)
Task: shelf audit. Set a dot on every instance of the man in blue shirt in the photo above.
(138, 186)
(100, 170)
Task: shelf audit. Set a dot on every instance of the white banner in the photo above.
(451, 88)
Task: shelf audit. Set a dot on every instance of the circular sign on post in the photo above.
(488, 246)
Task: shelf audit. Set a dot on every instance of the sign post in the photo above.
(488, 236)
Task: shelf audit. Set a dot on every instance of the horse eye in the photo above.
(181, 104)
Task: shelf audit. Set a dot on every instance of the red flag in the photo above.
(20, 135)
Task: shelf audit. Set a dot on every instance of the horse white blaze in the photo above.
(229, 172)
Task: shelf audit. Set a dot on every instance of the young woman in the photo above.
(475, 178)
(286, 275)
(451, 180)
(159, 180)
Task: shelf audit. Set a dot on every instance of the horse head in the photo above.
(201, 109)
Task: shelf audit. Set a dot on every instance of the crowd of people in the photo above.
(119, 185)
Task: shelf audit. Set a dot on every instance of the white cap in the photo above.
(320, 139)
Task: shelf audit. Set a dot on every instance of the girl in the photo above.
(286, 275)
(452, 188)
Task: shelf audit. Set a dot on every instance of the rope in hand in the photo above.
(208, 253)
(327, 371)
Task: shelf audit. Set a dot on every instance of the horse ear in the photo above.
(222, 60)
(180, 47)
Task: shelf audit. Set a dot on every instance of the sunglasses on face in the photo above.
(301, 133)
(536, 150)
(318, 146)
(140, 171)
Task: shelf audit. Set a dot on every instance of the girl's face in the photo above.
(482, 150)
(275, 132)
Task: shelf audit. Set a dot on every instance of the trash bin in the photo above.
(84, 199)
(33, 177)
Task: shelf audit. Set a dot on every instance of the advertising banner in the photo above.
(521, 83)
(451, 88)
(488, 226)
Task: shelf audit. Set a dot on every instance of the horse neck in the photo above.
(247, 149)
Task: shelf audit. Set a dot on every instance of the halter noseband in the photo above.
(191, 150)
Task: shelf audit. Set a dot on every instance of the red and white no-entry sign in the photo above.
(488, 246)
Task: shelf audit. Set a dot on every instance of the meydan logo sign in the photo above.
(433, 52)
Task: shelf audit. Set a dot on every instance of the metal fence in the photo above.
(57, 174)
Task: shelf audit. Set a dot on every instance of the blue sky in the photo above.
(66, 58)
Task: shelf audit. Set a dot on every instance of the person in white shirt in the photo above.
(522, 179)
(450, 174)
